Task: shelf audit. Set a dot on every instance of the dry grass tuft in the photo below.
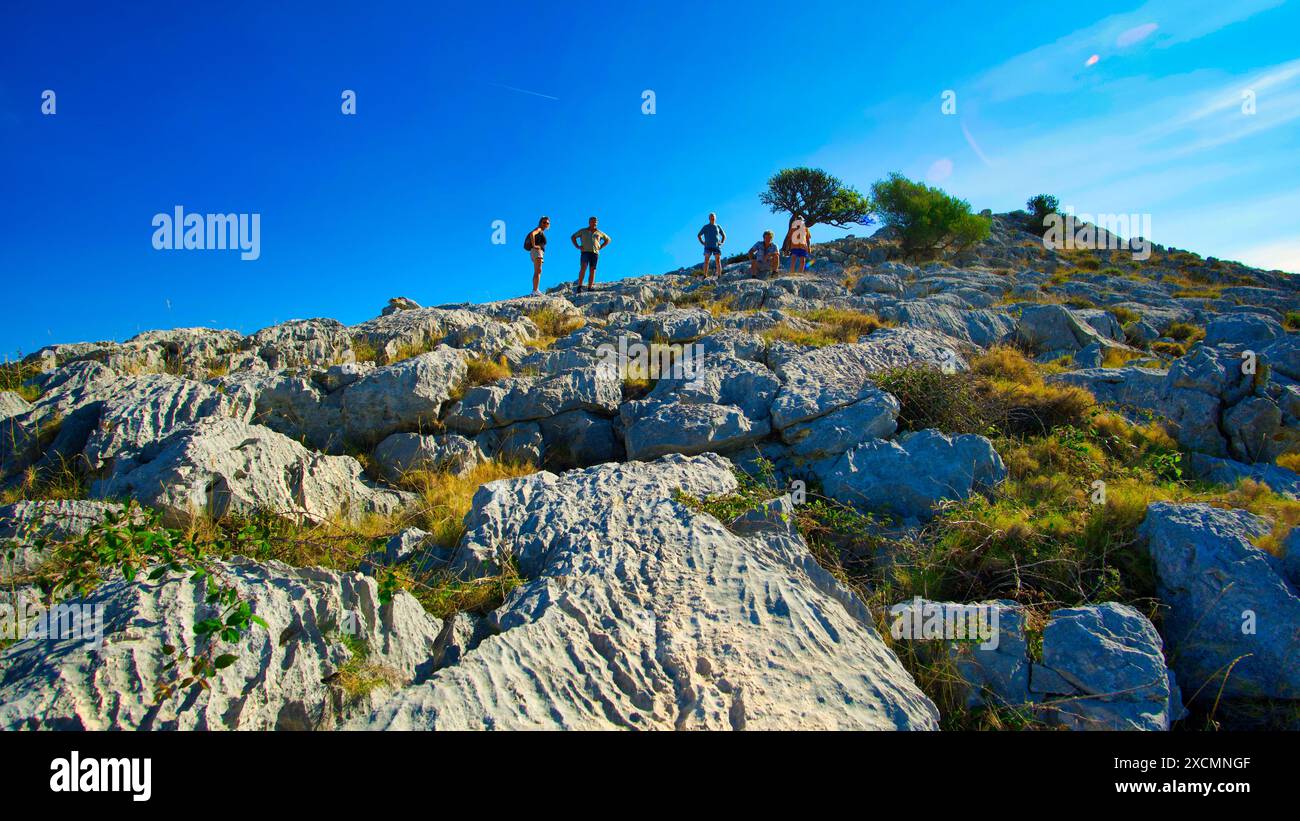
(834, 326)
(552, 325)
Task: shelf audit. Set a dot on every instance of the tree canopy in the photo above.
(818, 196)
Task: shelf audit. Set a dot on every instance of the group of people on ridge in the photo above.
(764, 255)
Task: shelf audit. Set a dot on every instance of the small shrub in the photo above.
(134, 543)
(1006, 363)
(1172, 350)
(1081, 258)
(1292, 320)
(359, 676)
(828, 526)
(1004, 394)
(1040, 207)
(1185, 332)
(443, 594)
(1290, 461)
(363, 350)
(930, 398)
(481, 371)
(928, 220)
(1038, 408)
(636, 387)
(410, 350)
(1117, 357)
(1126, 316)
(445, 497)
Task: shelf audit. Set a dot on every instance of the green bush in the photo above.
(1040, 206)
(928, 221)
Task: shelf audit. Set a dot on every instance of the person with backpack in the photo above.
(589, 241)
(798, 243)
(535, 245)
(711, 236)
(764, 256)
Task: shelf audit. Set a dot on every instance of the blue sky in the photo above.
(503, 111)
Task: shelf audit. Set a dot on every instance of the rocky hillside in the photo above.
(678, 503)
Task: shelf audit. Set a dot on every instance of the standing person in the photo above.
(711, 236)
(764, 255)
(535, 244)
(590, 242)
(798, 242)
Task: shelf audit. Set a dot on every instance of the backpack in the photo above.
(528, 241)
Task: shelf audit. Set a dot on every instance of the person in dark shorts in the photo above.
(711, 236)
(798, 243)
(589, 241)
(535, 245)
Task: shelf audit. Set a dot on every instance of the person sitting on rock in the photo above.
(535, 245)
(798, 243)
(764, 256)
(711, 236)
(589, 242)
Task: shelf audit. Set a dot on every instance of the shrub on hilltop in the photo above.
(929, 221)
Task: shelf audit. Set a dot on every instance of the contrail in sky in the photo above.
(525, 91)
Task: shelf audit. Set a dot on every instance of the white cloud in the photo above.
(1283, 255)
(1056, 67)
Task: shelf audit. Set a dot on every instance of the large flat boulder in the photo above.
(1112, 657)
(404, 453)
(147, 409)
(982, 326)
(640, 613)
(909, 476)
(871, 417)
(301, 343)
(1051, 331)
(280, 680)
(405, 396)
(528, 399)
(825, 379)
(679, 427)
(1248, 329)
(24, 524)
(11, 404)
(220, 465)
(1232, 613)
